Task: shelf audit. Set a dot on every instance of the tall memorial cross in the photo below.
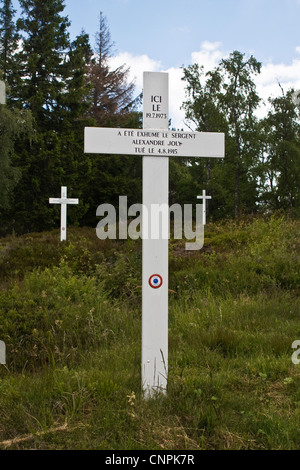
(64, 201)
(155, 143)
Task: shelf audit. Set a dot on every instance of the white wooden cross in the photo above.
(2, 352)
(2, 92)
(63, 200)
(204, 197)
(155, 143)
(2, 101)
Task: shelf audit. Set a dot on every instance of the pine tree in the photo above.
(74, 104)
(111, 93)
(8, 46)
(56, 87)
(44, 47)
(112, 105)
(13, 124)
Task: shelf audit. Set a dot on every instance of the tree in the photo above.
(226, 102)
(112, 105)
(238, 100)
(203, 112)
(45, 42)
(43, 54)
(74, 102)
(8, 43)
(112, 95)
(76, 167)
(281, 158)
(13, 125)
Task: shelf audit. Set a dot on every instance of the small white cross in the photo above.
(63, 200)
(2, 92)
(2, 352)
(204, 197)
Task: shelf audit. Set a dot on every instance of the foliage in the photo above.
(13, 124)
(71, 319)
(280, 159)
(68, 85)
(56, 84)
(226, 103)
(111, 94)
(70, 313)
(9, 38)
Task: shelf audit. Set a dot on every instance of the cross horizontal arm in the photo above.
(72, 201)
(153, 142)
(58, 200)
(55, 200)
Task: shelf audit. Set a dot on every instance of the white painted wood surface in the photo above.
(64, 201)
(2, 92)
(204, 198)
(155, 142)
(155, 252)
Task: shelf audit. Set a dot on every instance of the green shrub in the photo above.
(52, 316)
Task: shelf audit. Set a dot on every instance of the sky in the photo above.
(166, 35)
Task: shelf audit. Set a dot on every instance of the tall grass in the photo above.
(70, 315)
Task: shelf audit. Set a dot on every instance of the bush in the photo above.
(52, 316)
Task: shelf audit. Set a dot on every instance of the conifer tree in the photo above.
(112, 105)
(9, 37)
(59, 85)
(45, 42)
(44, 47)
(13, 124)
(111, 93)
(74, 104)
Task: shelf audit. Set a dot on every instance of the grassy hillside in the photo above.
(70, 315)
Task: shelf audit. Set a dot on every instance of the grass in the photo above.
(70, 315)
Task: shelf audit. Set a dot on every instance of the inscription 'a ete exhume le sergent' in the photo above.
(155, 142)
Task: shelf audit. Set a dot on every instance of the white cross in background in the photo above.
(2, 92)
(204, 197)
(155, 143)
(2, 352)
(63, 200)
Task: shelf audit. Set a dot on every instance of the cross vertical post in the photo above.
(63, 215)
(155, 251)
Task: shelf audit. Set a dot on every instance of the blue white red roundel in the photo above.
(155, 281)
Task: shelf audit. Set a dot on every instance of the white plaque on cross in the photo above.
(64, 201)
(155, 142)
